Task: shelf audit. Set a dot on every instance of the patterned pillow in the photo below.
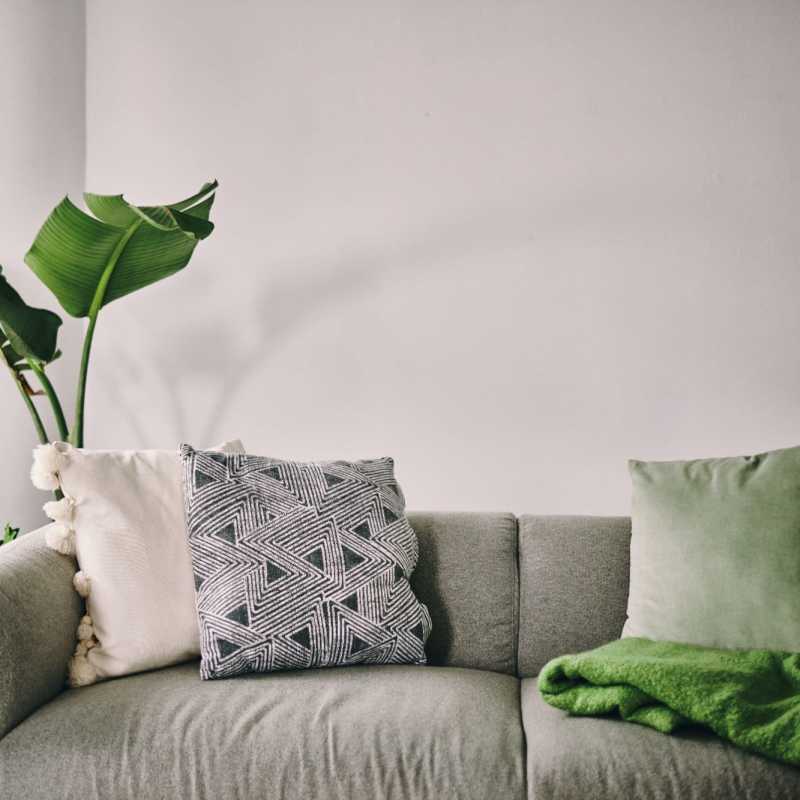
(300, 565)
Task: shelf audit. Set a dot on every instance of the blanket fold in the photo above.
(749, 697)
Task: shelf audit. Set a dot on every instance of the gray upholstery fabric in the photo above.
(352, 733)
(573, 585)
(467, 577)
(39, 613)
(575, 758)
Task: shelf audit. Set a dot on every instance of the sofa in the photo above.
(505, 595)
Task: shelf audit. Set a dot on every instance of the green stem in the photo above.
(76, 437)
(49, 390)
(20, 382)
(37, 420)
(80, 397)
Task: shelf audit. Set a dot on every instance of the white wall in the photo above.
(510, 243)
(42, 137)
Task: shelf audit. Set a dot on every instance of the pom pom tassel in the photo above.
(48, 461)
(45, 481)
(85, 629)
(82, 583)
(60, 510)
(81, 671)
(85, 646)
(49, 458)
(61, 539)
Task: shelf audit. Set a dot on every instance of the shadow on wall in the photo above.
(223, 351)
(287, 298)
(283, 306)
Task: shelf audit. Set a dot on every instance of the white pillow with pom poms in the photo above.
(122, 517)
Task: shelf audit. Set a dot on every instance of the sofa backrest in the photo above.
(508, 595)
(573, 585)
(468, 577)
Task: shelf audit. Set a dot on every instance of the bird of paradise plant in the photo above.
(87, 260)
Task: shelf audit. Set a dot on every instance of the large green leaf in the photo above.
(88, 261)
(25, 332)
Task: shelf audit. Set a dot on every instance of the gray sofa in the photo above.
(505, 596)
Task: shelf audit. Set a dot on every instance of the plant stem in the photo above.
(21, 383)
(37, 420)
(76, 437)
(49, 390)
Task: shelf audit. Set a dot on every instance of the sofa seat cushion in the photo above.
(573, 758)
(350, 733)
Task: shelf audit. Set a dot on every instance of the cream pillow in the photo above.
(122, 516)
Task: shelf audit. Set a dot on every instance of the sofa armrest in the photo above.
(39, 614)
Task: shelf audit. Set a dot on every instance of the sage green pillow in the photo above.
(715, 551)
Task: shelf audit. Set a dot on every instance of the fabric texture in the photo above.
(749, 697)
(577, 758)
(354, 733)
(715, 551)
(126, 508)
(39, 611)
(300, 565)
(573, 585)
(467, 577)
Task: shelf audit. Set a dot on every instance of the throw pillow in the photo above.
(300, 565)
(715, 551)
(122, 515)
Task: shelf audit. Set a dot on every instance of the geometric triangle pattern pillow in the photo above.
(300, 565)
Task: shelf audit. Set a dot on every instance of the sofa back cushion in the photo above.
(573, 585)
(467, 577)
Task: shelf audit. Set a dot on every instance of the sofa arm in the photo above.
(39, 613)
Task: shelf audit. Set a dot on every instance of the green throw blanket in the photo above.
(750, 697)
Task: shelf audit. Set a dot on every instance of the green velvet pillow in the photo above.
(715, 551)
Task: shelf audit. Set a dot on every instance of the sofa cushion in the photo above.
(343, 732)
(573, 585)
(573, 758)
(467, 577)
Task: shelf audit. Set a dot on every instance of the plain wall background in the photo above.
(511, 244)
(42, 138)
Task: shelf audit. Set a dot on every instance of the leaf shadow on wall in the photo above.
(287, 299)
(290, 295)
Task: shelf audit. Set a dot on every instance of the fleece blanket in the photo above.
(749, 697)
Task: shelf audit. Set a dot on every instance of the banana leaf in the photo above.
(89, 261)
(25, 332)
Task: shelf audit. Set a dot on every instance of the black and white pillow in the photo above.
(300, 565)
